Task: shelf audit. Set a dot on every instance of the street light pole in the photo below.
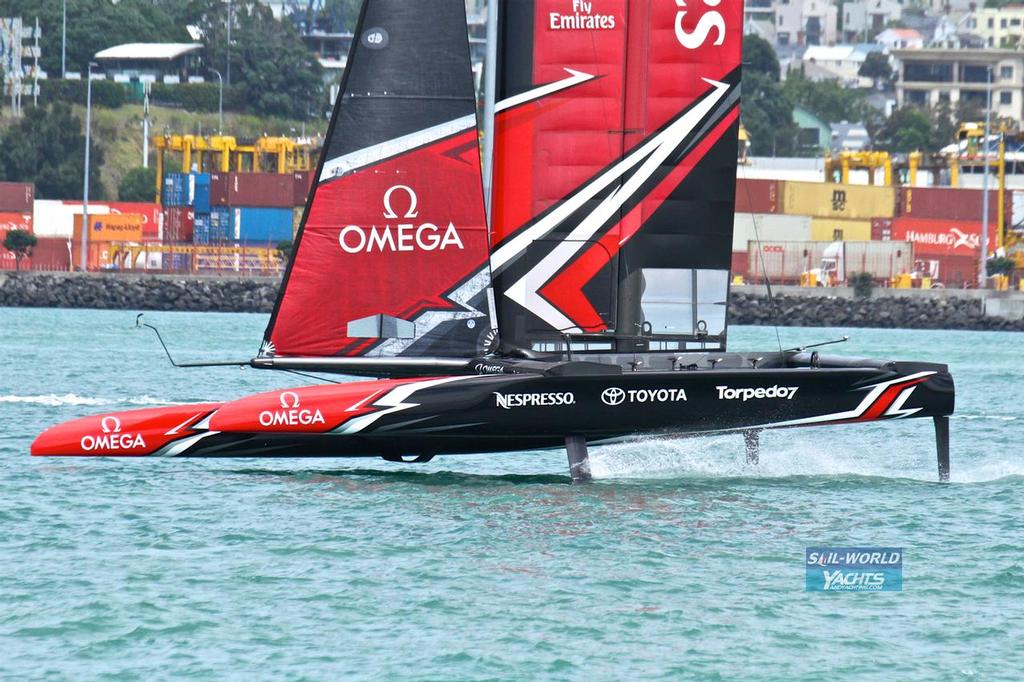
(85, 182)
(982, 274)
(227, 67)
(64, 42)
(220, 104)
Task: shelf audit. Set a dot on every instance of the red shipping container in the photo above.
(740, 260)
(303, 183)
(942, 237)
(952, 271)
(51, 253)
(757, 196)
(150, 213)
(881, 229)
(179, 224)
(219, 189)
(948, 203)
(263, 190)
(17, 197)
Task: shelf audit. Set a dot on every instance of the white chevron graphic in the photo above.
(394, 400)
(649, 157)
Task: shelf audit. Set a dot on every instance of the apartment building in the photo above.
(929, 77)
(805, 22)
(1003, 28)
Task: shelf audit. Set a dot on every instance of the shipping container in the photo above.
(52, 253)
(222, 224)
(297, 214)
(739, 266)
(943, 237)
(201, 228)
(949, 203)
(881, 229)
(951, 271)
(830, 200)
(57, 218)
(261, 190)
(200, 192)
(178, 224)
(302, 184)
(784, 262)
(150, 212)
(187, 189)
(757, 196)
(266, 226)
(17, 197)
(768, 226)
(16, 220)
(98, 256)
(837, 230)
(125, 227)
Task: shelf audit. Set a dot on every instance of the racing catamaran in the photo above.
(590, 306)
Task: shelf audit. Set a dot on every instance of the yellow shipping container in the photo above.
(825, 199)
(836, 230)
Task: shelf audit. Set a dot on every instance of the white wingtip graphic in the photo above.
(575, 78)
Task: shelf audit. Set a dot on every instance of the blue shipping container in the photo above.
(201, 233)
(175, 190)
(222, 224)
(199, 192)
(262, 226)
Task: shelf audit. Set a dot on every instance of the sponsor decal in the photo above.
(111, 437)
(708, 22)
(760, 393)
(954, 239)
(616, 396)
(853, 569)
(291, 413)
(507, 401)
(581, 18)
(405, 236)
(375, 38)
(484, 368)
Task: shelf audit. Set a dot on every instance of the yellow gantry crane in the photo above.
(223, 153)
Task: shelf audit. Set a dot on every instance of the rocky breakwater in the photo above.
(128, 292)
(941, 311)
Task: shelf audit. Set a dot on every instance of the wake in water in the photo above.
(788, 454)
(54, 400)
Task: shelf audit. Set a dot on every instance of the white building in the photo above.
(862, 18)
(805, 22)
(930, 76)
(900, 39)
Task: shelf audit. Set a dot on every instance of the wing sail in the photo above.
(391, 256)
(614, 198)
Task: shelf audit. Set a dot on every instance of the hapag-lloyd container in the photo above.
(949, 203)
(943, 237)
(54, 218)
(757, 196)
(150, 213)
(831, 200)
(784, 262)
(17, 197)
(126, 227)
(265, 226)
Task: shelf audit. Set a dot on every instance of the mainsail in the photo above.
(613, 199)
(391, 256)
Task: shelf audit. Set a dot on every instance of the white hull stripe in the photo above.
(360, 158)
(394, 401)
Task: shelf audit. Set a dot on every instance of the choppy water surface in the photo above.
(680, 562)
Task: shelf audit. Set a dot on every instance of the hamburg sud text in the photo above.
(854, 569)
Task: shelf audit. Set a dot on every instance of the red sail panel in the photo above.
(622, 216)
(391, 257)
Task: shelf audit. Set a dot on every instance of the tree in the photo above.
(828, 100)
(767, 114)
(46, 147)
(138, 184)
(20, 243)
(876, 67)
(907, 130)
(759, 57)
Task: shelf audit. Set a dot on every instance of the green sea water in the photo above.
(679, 562)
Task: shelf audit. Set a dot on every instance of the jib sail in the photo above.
(613, 198)
(391, 256)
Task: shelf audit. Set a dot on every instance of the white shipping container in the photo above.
(769, 227)
(785, 261)
(54, 218)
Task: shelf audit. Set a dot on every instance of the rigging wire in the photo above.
(772, 303)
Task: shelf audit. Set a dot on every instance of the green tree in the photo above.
(767, 114)
(47, 147)
(876, 67)
(759, 57)
(828, 100)
(138, 184)
(907, 130)
(20, 243)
